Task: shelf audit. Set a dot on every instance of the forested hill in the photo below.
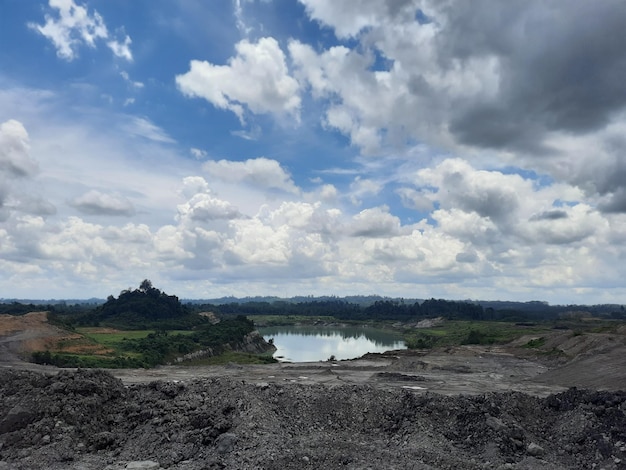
(145, 307)
(402, 310)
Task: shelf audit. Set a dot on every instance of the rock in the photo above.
(102, 440)
(495, 424)
(17, 418)
(142, 465)
(226, 442)
(535, 449)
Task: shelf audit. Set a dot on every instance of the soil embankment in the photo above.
(90, 420)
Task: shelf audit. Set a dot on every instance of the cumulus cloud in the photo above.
(35, 205)
(15, 160)
(73, 26)
(375, 222)
(256, 78)
(537, 83)
(259, 172)
(554, 214)
(203, 205)
(16, 163)
(363, 187)
(98, 203)
(561, 77)
(348, 19)
(490, 194)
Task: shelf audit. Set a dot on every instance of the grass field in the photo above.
(113, 339)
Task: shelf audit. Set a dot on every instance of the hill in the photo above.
(143, 308)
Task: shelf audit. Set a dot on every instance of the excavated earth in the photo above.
(88, 419)
(468, 407)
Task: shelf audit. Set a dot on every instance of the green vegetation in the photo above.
(232, 357)
(141, 328)
(152, 327)
(452, 333)
(86, 361)
(140, 309)
(150, 348)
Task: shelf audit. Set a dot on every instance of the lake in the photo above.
(318, 343)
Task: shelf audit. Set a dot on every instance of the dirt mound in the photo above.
(590, 360)
(90, 420)
(20, 335)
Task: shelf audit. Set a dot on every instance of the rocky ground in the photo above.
(88, 419)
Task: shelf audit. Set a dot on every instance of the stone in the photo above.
(534, 449)
(226, 442)
(143, 465)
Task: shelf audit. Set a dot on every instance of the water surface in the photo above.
(319, 343)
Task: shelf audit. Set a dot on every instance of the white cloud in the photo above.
(16, 164)
(257, 77)
(413, 199)
(98, 203)
(259, 172)
(363, 187)
(142, 127)
(198, 154)
(15, 160)
(75, 26)
(348, 19)
(203, 205)
(376, 222)
(128, 80)
(122, 50)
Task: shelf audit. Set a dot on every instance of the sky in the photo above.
(405, 148)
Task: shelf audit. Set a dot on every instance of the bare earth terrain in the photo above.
(475, 407)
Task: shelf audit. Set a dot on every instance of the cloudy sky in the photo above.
(416, 148)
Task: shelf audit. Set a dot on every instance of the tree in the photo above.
(145, 285)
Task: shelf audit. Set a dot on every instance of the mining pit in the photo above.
(465, 407)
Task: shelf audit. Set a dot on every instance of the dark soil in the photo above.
(89, 420)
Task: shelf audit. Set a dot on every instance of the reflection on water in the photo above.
(315, 343)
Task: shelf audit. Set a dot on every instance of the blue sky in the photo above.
(283, 147)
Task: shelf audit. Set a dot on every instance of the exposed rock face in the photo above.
(252, 343)
(89, 420)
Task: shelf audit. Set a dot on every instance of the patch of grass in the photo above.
(86, 361)
(115, 339)
(112, 338)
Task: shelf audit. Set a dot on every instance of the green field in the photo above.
(114, 339)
